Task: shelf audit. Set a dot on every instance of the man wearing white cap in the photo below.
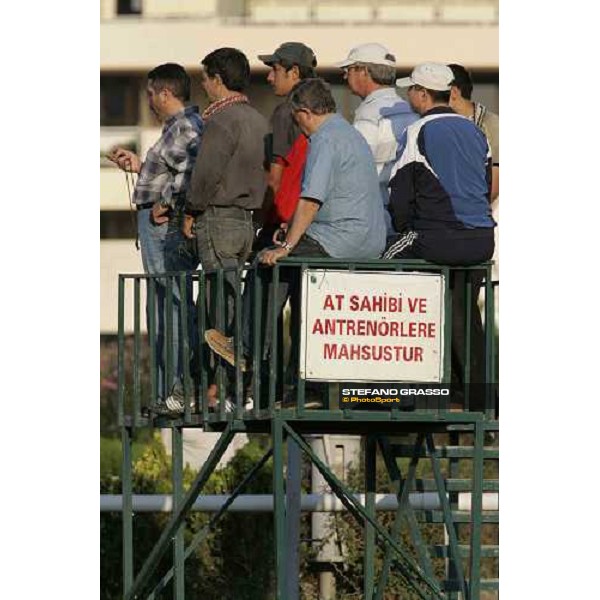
(440, 202)
(440, 186)
(382, 116)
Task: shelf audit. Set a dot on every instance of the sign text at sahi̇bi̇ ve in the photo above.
(372, 326)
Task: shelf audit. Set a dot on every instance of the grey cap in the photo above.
(293, 53)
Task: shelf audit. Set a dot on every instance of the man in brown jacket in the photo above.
(228, 180)
(228, 183)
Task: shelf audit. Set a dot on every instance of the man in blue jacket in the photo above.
(440, 203)
(440, 185)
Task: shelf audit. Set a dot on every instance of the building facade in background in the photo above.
(137, 35)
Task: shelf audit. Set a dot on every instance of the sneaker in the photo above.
(230, 405)
(223, 346)
(171, 407)
(289, 401)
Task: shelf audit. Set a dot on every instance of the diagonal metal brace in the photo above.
(413, 571)
(452, 537)
(199, 537)
(141, 581)
(402, 489)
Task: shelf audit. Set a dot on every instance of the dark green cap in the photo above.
(291, 53)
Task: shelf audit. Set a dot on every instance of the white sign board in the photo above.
(372, 326)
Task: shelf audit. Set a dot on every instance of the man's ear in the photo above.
(454, 93)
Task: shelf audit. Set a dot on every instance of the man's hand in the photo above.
(270, 257)
(125, 159)
(187, 227)
(280, 234)
(160, 214)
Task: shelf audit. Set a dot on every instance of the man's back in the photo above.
(382, 118)
(340, 173)
(229, 169)
(451, 160)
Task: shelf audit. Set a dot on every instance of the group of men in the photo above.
(407, 179)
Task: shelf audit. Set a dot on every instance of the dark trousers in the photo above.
(475, 379)
(444, 246)
(289, 287)
(457, 247)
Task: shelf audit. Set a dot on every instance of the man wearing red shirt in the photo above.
(286, 155)
(290, 63)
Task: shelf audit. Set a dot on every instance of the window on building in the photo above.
(129, 7)
(117, 224)
(119, 100)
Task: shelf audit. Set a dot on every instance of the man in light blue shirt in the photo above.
(340, 176)
(340, 206)
(382, 116)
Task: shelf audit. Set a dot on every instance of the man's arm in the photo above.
(495, 181)
(274, 176)
(179, 157)
(491, 126)
(303, 217)
(402, 197)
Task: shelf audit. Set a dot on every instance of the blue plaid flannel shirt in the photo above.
(165, 173)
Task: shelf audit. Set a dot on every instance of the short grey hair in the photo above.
(381, 74)
(313, 94)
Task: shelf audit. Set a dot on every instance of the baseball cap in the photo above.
(432, 76)
(291, 52)
(375, 54)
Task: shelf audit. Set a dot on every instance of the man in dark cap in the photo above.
(290, 63)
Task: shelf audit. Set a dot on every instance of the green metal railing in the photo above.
(188, 305)
(193, 303)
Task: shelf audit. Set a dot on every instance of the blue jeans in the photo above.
(164, 248)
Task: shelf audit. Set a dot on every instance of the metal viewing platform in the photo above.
(392, 351)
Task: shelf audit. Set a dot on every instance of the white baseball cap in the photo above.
(375, 54)
(433, 76)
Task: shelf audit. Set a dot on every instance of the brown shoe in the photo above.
(223, 346)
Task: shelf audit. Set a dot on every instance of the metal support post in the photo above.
(321, 523)
(279, 507)
(369, 532)
(448, 520)
(292, 520)
(453, 472)
(476, 508)
(411, 571)
(141, 581)
(127, 492)
(178, 542)
(201, 535)
(402, 488)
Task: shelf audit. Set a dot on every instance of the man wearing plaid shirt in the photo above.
(160, 192)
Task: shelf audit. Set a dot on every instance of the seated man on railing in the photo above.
(440, 202)
(339, 213)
